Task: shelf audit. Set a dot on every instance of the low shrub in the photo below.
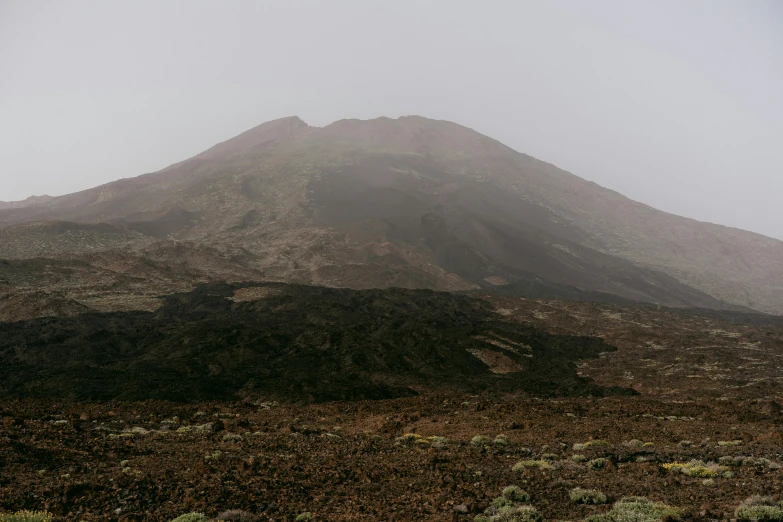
(597, 463)
(758, 462)
(756, 509)
(191, 517)
(729, 443)
(587, 496)
(304, 517)
(515, 494)
(513, 514)
(480, 440)
(500, 440)
(27, 516)
(215, 455)
(695, 468)
(589, 444)
(636, 509)
(579, 458)
(540, 464)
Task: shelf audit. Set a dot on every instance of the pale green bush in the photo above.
(757, 509)
(636, 509)
(587, 496)
(500, 440)
(515, 494)
(590, 444)
(27, 516)
(191, 517)
(516, 514)
(597, 463)
(540, 464)
(480, 440)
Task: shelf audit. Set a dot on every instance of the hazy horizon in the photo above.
(674, 105)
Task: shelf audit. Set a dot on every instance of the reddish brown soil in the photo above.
(340, 461)
(700, 379)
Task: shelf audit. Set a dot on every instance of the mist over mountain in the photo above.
(408, 202)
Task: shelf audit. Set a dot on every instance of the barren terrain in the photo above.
(708, 389)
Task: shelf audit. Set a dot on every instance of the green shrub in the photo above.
(191, 517)
(540, 464)
(515, 494)
(480, 440)
(590, 443)
(748, 461)
(587, 496)
(756, 509)
(516, 514)
(304, 517)
(729, 443)
(695, 468)
(579, 458)
(597, 463)
(500, 440)
(501, 502)
(636, 509)
(634, 443)
(27, 516)
(215, 455)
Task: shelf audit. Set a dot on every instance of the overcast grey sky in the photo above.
(676, 104)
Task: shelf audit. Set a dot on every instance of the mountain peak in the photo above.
(262, 136)
(29, 202)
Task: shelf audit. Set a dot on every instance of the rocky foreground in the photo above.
(438, 458)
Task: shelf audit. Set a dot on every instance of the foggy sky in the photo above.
(675, 104)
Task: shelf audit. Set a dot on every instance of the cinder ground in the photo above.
(709, 390)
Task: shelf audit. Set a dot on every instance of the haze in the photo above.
(675, 104)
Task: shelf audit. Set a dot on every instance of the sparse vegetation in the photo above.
(590, 444)
(729, 443)
(587, 496)
(695, 468)
(27, 516)
(579, 458)
(304, 517)
(215, 455)
(515, 494)
(524, 464)
(480, 441)
(636, 509)
(191, 517)
(500, 440)
(758, 509)
(516, 514)
(599, 463)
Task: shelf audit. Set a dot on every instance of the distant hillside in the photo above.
(410, 202)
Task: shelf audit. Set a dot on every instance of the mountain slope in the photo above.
(410, 202)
